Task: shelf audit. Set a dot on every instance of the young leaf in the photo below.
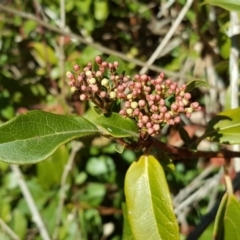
(230, 5)
(32, 137)
(225, 127)
(196, 84)
(150, 212)
(116, 125)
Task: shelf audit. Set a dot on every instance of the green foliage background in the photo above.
(33, 62)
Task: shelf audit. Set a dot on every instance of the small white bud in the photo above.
(129, 111)
(73, 89)
(92, 80)
(112, 95)
(104, 82)
(134, 105)
(88, 73)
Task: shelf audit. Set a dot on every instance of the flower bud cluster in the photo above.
(93, 85)
(155, 102)
(151, 102)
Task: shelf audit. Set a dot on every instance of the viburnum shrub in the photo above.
(132, 110)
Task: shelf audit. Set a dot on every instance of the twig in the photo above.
(234, 72)
(61, 49)
(30, 202)
(198, 195)
(167, 37)
(188, 154)
(101, 48)
(8, 230)
(75, 148)
(196, 183)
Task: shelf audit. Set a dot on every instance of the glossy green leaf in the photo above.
(196, 84)
(232, 218)
(117, 126)
(34, 136)
(225, 127)
(150, 212)
(230, 5)
(218, 224)
(227, 220)
(127, 232)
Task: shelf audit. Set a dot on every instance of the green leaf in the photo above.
(225, 127)
(43, 54)
(116, 125)
(227, 219)
(127, 232)
(50, 171)
(150, 212)
(231, 219)
(18, 223)
(218, 224)
(101, 9)
(196, 84)
(230, 5)
(34, 136)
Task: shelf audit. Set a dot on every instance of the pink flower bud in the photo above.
(168, 82)
(136, 112)
(122, 112)
(195, 105)
(69, 75)
(142, 103)
(94, 88)
(98, 59)
(144, 78)
(177, 119)
(145, 118)
(103, 94)
(187, 96)
(156, 127)
(115, 64)
(76, 67)
(150, 131)
(148, 124)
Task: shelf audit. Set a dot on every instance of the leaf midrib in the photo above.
(52, 135)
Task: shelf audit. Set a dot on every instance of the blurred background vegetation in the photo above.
(86, 178)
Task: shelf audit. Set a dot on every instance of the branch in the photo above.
(68, 167)
(167, 37)
(234, 72)
(187, 154)
(8, 230)
(30, 202)
(101, 48)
